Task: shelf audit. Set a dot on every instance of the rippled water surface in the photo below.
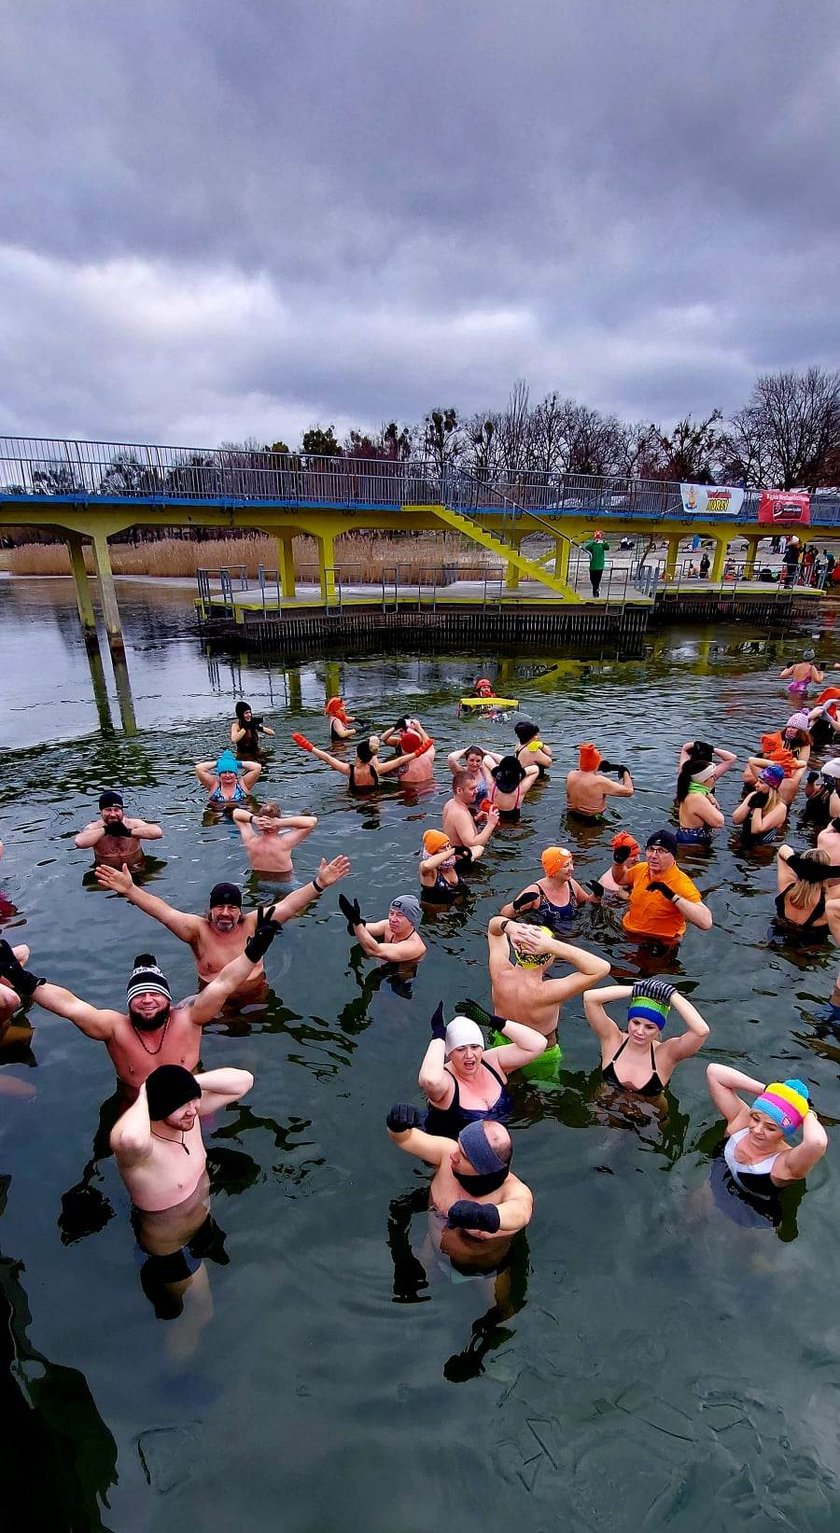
(664, 1367)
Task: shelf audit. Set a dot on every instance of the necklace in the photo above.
(139, 1035)
(166, 1140)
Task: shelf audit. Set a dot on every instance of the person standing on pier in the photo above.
(597, 550)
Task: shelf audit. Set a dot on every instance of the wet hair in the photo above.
(526, 731)
(803, 895)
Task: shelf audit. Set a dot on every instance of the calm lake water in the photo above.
(665, 1368)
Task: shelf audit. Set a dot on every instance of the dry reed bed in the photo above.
(360, 558)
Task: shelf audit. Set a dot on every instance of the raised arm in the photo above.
(205, 1005)
(528, 899)
(403, 1128)
(726, 760)
(804, 1156)
(251, 770)
(621, 789)
(684, 1045)
(144, 830)
(63, 1003)
(315, 750)
(207, 775)
(131, 1136)
(524, 1044)
(589, 967)
(182, 925)
(328, 873)
(221, 1087)
(724, 1084)
(90, 835)
(595, 1003)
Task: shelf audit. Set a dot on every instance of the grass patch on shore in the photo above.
(361, 558)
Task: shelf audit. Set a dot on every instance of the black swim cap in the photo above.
(110, 799)
(525, 731)
(168, 1088)
(225, 894)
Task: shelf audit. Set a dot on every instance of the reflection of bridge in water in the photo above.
(91, 491)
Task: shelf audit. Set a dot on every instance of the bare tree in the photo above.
(482, 443)
(547, 438)
(442, 437)
(789, 429)
(514, 432)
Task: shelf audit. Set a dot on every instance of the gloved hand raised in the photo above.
(465, 1215)
(22, 980)
(437, 1023)
(597, 888)
(261, 939)
(653, 990)
(351, 911)
(663, 889)
(422, 749)
(301, 740)
(117, 828)
(403, 1116)
(481, 1015)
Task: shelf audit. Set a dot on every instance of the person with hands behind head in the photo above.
(227, 780)
(478, 764)
(246, 729)
(662, 899)
(519, 954)
(477, 1204)
(703, 751)
(637, 1061)
(158, 1143)
(699, 811)
(588, 788)
(760, 1154)
(218, 936)
(392, 940)
(462, 1079)
(270, 837)
(151, 1031)
(414, 743)
(114, 838)
(805, 908)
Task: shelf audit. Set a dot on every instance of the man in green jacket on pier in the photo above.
(597, 551)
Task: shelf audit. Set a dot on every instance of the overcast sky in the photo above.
(223, 220)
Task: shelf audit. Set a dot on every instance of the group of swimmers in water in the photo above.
(773, 1135)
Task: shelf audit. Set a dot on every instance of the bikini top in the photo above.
(653, 1086)
(813, 918)
(449, 1121)
(755, 1178)
(238, 796)
(363, 787)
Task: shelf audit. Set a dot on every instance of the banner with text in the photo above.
(711, 499)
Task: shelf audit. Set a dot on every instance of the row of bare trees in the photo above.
(786, 435)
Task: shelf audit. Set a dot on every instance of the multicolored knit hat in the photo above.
(650, 1002)
(786, 1102)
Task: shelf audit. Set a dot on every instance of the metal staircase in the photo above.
(460, 489)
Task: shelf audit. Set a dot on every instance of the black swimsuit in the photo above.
(363, 787)
(653, 1086)
(448, 1121)
(807, 929)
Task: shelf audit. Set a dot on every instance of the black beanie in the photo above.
(242, 709)
(168, 1088)
(225, 894)
(110, 799)
(146, 976)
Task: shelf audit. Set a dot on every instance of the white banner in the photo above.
(711, 499)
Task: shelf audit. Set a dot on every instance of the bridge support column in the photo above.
(672, 559)
(286, 565)
(511, 572)
(326, 565)
(562, 548)
(87, 616)
(110, 609)
(719, 560)
(749, 562)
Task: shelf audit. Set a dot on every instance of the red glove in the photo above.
(301, 740)
(486, 805)
(421, 749)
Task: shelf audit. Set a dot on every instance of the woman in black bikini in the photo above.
(363, 774)
(636, 1061)
(804, 910)
(463, 1080)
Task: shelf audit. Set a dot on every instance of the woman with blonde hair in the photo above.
(554, 899)
(804, 908)
(763, 811)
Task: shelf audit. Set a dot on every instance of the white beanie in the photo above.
(461, 1031)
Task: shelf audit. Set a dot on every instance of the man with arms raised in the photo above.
(151, 1031)
(222, 934)
(587, 789)
(158, 1142)
(270, 837)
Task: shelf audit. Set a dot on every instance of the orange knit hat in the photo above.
(589, 757)
(434, 841)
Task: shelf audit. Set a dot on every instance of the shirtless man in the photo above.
(587, 789)
(151, 1031)
(158, 1142)
(394, 940)
(116, 840)
(518, 955)
(220, 935)
(476, 1204)
(270, 838)
(458, 822)
(419, 769)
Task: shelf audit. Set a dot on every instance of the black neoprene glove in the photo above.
(118, 828)
(351, 911)
(607, 766)
(257, 723)
(22, 980)
(437, 1024)
(527, 897)
(621, 769)
(463, 857)
(465, 1215)
(653, 990)
(757, 800)
(403, 1116)
(809, 871)
(702, 748)
(811, 777)
(261, 939)
(661, 888)
(621, 853)
(480, 1015)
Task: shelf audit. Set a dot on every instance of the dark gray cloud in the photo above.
(222, 221)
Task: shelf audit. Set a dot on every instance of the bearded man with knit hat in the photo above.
(151, 1031)
(587, 788)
